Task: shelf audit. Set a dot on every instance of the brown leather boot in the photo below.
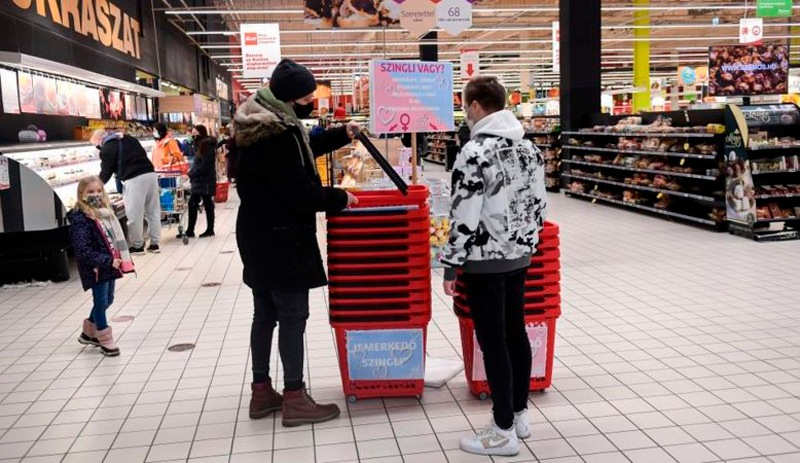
(264, 400)
(299, 408)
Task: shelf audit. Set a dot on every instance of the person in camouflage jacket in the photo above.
(498, 208)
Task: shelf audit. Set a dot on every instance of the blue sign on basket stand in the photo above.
(375, 355)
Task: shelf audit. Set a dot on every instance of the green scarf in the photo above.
(266, 98)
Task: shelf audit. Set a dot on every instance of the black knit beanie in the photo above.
(291, 81)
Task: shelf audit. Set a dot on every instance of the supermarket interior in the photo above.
(667, 135)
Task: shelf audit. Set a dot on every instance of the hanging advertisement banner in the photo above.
(349, 14)
(751, 31)
(261, 49)
(556, 47)
(8, 83)
(454, 16)
(411, 97)
(470, 64)
(418, 17)
(5, 178)
(774, 8)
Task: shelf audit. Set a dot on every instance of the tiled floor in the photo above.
(675, 344)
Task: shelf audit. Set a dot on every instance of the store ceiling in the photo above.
(512, 35)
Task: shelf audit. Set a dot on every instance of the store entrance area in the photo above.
(675, 344)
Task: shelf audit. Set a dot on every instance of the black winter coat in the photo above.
(281, 193)
(134, 159)
(91, 250)
(203, 175)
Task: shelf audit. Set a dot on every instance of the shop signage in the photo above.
(352, 14)
(739, 187)
(774, 8)
(751, 30)
(454, 16)
(261, 49)
(222, 89)
(386, 354)
(102, 20)
(537, 337)
(411, 96)
(470, 64)
(10, 95)
(418, 17)
(5, 178)
(556, 47)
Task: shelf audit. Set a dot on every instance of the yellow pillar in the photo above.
(641, 56)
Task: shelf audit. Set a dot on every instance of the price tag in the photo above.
(559, 164)
(686, 146)
(594, 200)
(660, 195)
(683, 161)
(596, 186)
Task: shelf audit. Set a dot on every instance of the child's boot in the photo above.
(106, 340)
(88, 336)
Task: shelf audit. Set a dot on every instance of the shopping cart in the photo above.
(172, 185)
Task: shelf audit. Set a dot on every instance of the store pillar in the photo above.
(641, 56)
(580, 62)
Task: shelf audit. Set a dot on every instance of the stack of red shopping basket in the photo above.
(380, 292)
(542, 308)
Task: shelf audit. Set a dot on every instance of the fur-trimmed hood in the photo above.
(257, 120)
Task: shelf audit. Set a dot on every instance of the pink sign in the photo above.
(411, 97)
(537, 335)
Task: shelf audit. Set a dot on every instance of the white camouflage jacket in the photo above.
(498, 199)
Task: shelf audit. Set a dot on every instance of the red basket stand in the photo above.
(480, 388)
(221, 195)
(363, 389)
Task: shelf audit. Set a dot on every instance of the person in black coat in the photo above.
(281, 193)
(203, 178)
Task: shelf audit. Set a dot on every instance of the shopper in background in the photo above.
(340, 112)
(231, 155)
(498, 206)
(281, 193)
(203, 179)
(102, 255)
(123, 156)
(167, 153)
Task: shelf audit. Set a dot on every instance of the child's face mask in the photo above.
(94, 200)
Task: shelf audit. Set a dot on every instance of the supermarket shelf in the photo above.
(642, 188)
(790, 219)
(633, 169)
(434, 161)
(641, 152)
(771, 148)
(644, 134)
(796, 195)
(647, 208)
(61, 164)
(777, 172)
(542, 134)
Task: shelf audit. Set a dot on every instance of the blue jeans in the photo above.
(103, 294)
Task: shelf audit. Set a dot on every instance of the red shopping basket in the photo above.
(221, 195)
(541, 375)
(372, 364)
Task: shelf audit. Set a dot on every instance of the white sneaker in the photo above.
(522, 424)
(492, 441)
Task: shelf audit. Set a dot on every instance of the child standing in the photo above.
(102, 255)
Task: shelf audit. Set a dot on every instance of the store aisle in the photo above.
(675, 344)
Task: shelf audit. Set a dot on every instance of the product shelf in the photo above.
(647, 208)
(643, 134)
(709, 157)
(634, 169)
(681, 194)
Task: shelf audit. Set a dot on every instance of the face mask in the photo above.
(95, 201)
(303, 110)
(156, 135)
